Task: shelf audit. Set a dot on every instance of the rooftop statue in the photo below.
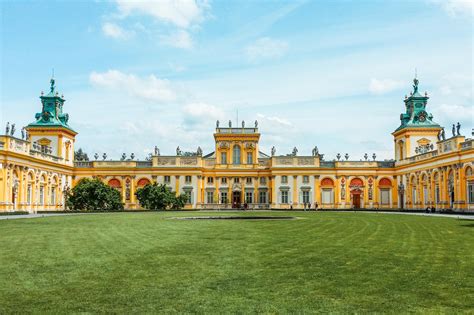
(23, 133)
(12, 132)
(458, 128)
(157, 151)
(230, 124)
(443, 135)
(315, 151)
(217, 124)
(178, 151)
(256, 124)
(199, 151)
(273, 151)
(295, 151)
(454, 130)
(243, 124)
(7, 129)
(415, 86)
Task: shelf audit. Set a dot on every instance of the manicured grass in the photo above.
(325, 262)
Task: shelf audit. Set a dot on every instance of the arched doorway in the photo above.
(356, 185)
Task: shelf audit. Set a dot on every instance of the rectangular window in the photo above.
(262, 197)
(284, 196)
(249, 197)
(53, 196)
(41, 195)
(413, 196)
(327, 196)
(224, 180)
(223, 157)
(305, 196)
(470, 192)
(210, 180)
(306, 179)
(249, 158)
(223, 197)
(236, 180)
(167, 179)
(210, 197)
(385, 196)
(188, 179)
(284, 179)
(426, 195)
(188, 195)
(28, 195)
(437, 194)
(263, 180)
(249, 180)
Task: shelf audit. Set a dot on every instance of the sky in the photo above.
(331, 74)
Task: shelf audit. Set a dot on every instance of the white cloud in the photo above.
(148, 88)
(178, 39)
(181, 13)
(115, 31)
(275, 120)
(453, 113)
(456, 7)
(203, 111)
(381, 86)
(266, 48)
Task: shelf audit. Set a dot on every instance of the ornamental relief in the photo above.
(188, 161)
(305, 161)
(166, 161)
(285, 161)
(224, 145)
(249, 145)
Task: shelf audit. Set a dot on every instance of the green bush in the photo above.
(14, 213)
(159, 197)
(93, 195)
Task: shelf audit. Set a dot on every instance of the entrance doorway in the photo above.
(356, 196)
(236, 197)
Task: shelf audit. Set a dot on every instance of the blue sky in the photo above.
(137, 74)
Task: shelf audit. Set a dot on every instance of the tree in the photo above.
(80, 155)
(159, 197)
(93, 195)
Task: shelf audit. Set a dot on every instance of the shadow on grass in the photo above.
(470, 223)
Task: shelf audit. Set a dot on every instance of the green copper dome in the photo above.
(52, 112)
(416, 114)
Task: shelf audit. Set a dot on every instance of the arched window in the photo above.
(236, 155)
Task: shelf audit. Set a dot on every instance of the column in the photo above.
(295, 191)
(273, 193)
(317, 189)
(176, 184)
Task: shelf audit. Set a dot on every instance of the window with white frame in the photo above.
(249, 158)
(470, 192)
(263, 180)
(284, 179)
(305, 196)
(284, 196)
(249, 180)
(53, 195)
(210, 197)
(188, 195)
(41, 195)
(210, 180)
(167, 179)
(262, 197)
(249, 197)
(236, 155)
(426, 194)
(223, 157)
(437, 194)
(224, 197)
(28, 194)
(188, 179)
(306, 179)
(224, 180)
(236, 180)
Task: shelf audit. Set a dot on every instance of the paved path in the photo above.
(43, 215)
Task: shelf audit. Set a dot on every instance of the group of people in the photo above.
(307, 206)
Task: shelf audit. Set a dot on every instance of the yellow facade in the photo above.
(427, 171)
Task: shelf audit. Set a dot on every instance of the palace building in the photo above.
(429, 169)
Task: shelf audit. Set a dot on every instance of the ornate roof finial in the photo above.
(52, 85)
(415, 81)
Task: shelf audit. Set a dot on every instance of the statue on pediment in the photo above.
(273, 151)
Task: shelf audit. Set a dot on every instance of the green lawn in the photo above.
(325, 262)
